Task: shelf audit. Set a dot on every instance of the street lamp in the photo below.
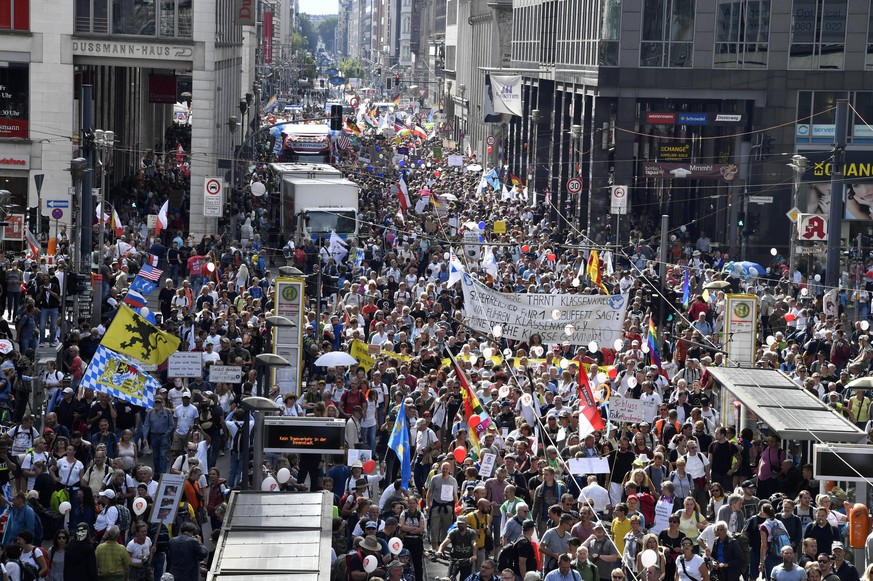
(79, 167)
(532, 151)
(105, 143)
(257, 406)
(233, 125)
(799, 165)
(575, 164)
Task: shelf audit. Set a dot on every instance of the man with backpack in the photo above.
(520, 555)
(236, 431)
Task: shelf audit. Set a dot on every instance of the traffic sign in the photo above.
(57, 203)
(213, 197)
(760, 199)
(57, 213)
(574, 185)
(490, 140)
(793, 214)
(619, 200)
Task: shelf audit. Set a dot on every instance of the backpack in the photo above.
(124, 518)
(743, 540)
(647, 507)
(777, 537)
(508, 558)
(236, 446)
(182, 516)
(28, 571)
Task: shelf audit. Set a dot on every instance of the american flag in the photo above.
(343, 142)
(151, 273)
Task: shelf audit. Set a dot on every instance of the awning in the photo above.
(791, 412)
(275, 536)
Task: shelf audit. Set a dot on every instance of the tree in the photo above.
(308, 31)
(351, 68)
(327, 32)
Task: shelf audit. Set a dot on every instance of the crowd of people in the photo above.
(685, 495)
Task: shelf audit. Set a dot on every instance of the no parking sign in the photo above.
(619, 200)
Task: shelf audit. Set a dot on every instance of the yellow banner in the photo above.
(359, 351)
(135, 337)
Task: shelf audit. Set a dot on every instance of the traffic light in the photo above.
(396, 80)
(767, 145)
(741, 220)
(388, 82)
(336, 117)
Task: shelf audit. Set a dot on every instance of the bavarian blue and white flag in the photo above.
(120, 377)
(143, 285)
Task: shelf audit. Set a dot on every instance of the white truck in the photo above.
(316, 199)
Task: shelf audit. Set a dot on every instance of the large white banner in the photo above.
(578, 319)
(506, 91)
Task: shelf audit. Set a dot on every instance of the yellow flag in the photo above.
(358, 350)
(135, 337)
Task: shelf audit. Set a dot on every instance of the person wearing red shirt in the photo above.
(350, 399)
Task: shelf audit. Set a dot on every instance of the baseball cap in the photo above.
(837, 545)
(68, 390)
(528, 525)
(371, 525)
(108, 493)
(749, 484)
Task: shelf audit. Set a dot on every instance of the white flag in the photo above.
(489, 264)
(456, 270)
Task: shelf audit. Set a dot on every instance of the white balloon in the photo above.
(632, 382)
(370, 563)
(269, 484)
(556, 314)
(865, 325)
(593, 346)
(649, 558)
(447, 255)
(139, 505)
(576, 282)
(569, 329)
(771, 339)
(804, 292)
(564, 363)
(65, 507)
(503, 391)
(753, 271)
(773, 252)
(601, 377)
(258, 189)
(497, 331)
(619, 344)
(817, 278)
(395, 545)
(487, 352)
(145, 312)
(645, 347)
(283, 475)
(536, 351)
(507, 352)
(526, 399)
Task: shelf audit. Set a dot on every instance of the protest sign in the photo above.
(625, 409)
(578, 319)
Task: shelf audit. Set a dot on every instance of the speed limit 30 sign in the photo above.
(574, 186)
(213, 197)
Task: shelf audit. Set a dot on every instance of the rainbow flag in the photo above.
(472, 407)
(686, 289)
(271, 104)
(652, 340)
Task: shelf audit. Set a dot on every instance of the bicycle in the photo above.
(454, 566)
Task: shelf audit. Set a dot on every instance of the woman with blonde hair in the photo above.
(691, 521)
(650, 543)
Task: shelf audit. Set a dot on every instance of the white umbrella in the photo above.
(5, 346)
(474, 167)
(336, 359)
(451, 197)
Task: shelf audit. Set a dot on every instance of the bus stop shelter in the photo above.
(771, 397)
(275, 536)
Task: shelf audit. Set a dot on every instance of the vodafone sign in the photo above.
(213, 197)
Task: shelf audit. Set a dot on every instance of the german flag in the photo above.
(396, 100)
(515, 181)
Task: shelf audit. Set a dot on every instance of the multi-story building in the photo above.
(139, 57)
(732, 87)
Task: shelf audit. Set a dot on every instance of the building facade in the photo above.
(139, 57)
(695, 105)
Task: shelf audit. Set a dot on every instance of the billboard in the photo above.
(815, 197)
(14, 100)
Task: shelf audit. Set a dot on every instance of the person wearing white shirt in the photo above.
(651, 401)
(185, 415)
(140, 548)
(210, 356)
(31, 459)
(598, 495)
(175, 393)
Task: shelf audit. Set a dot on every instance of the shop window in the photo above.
(165, 18)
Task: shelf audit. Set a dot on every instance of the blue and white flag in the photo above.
(118, 376)
(143, 285)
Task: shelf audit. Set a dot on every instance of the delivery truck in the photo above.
(316, 200)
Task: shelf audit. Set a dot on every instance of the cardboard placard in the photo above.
(583, 466)
(185, 364)
(486, 465)
(626, 410)
(225, 374)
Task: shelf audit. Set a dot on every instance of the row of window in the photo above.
(742, 33)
